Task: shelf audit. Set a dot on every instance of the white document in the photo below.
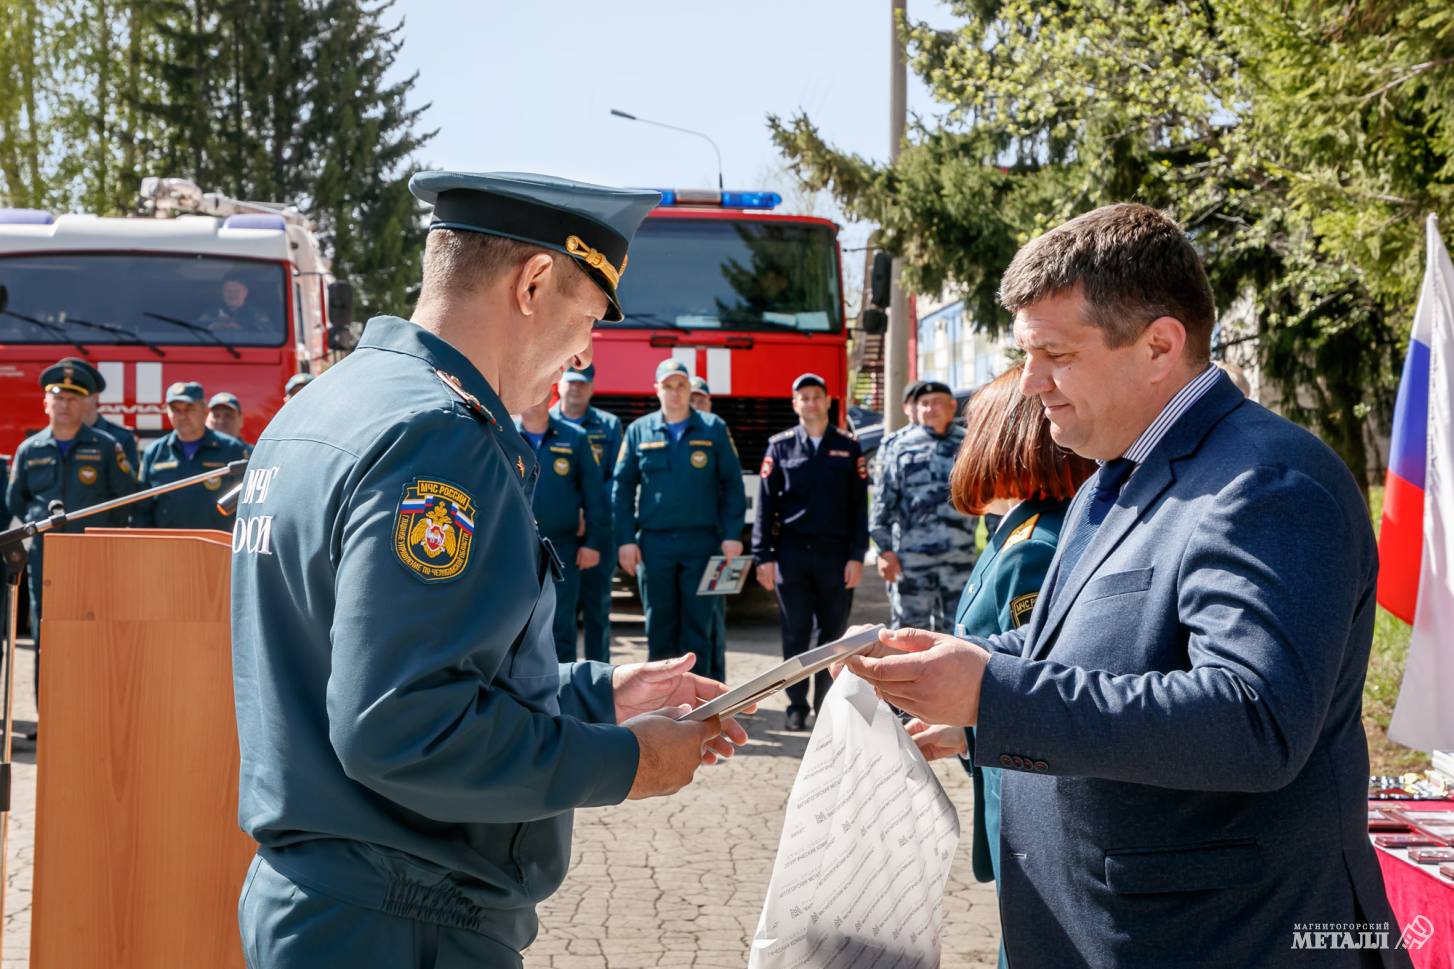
(866, 847)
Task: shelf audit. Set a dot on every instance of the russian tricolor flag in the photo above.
(1416, 542)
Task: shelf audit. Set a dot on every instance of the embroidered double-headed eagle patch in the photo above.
(434, 529)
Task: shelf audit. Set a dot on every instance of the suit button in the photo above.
(1041, 766)
(1005, 761)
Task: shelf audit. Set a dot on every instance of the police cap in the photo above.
(186, 391)
(930, 387)
(700, 386)
(90, 368)
(69, 376)
(670, 366)
(809, 380)
(592, 224)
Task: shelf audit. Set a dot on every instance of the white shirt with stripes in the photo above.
(1171, 413)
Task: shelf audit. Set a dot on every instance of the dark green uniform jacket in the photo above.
(94, 470)
(166, 461)
(604, 430)
(1000, 596)
(570, 482)
(691, 483)
(409, 742)
(123, 436)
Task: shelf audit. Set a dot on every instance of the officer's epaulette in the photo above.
(782, 436)
(470, 400)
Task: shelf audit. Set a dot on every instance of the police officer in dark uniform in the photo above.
(67, 461)
(189, 449)
(604, 431)
(91, 406)
(811, 532)
(569, 490)
(677, 501)
(411, 750)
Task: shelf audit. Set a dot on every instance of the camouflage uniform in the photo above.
(912, 517)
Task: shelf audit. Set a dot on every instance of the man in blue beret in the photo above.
(677, 501)
(91, 410)
(191, 448)
(576, 388)
(570, 510)
(69, 462)
(412, 751)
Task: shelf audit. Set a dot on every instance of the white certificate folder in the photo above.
(780, 677)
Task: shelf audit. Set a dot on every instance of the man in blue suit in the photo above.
(1185, 766)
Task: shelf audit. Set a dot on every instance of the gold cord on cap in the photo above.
(595, 259)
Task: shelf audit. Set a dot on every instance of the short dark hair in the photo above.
(1008, 453)
(1130, 262)
(457, 261)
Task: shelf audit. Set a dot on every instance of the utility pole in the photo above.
(896, 355)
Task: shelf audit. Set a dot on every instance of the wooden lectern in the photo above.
(138, 856)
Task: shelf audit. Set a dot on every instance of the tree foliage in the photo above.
(1300, 143)
(275, 100)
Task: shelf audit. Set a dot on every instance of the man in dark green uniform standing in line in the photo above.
(569, 489)
(67, 461)
(677, 501)
(411, 751)
(604, 430)
(191, 448)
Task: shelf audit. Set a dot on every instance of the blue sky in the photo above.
(528, 86)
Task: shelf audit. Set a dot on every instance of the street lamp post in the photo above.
(687, 131)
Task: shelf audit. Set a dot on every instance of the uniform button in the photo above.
(1006, 761)
(1019, 761)
(1041, 766)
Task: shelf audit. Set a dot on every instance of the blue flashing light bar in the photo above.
(726, 200)
(258, 221)
(26, 217)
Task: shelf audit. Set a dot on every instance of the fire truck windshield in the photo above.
(166, 299)
(727, 274)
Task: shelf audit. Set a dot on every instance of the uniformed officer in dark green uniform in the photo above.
(224, 414)
(411, 750)
(91, 405)
(190, 448)
(677, 501)
(69, 461)
(604, 430)
(569, 495)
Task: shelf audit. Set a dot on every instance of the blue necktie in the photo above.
(1109, 481)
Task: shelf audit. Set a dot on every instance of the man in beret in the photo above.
(91, 411)
(412, 751)
(603, 429)
(926, 548)
(69, 462)
(678, 501)
(224, 414)
(190, 449)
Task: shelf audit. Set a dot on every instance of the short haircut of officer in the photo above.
(1131, 263)
(464, 262)
(1007, 452)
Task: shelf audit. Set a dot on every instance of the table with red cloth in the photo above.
(1415, 889)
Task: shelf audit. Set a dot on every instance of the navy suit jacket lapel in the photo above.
(1145, 487)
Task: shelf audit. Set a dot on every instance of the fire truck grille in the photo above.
(752, 420)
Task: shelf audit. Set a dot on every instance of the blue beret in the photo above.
(297, 382)
(699, 386)
(188, 390)
(810, 380)
(69, 376)
(592, 224)
(669, 366)
(225, 399)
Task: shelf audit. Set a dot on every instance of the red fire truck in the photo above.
(746, 297)
(150, 300)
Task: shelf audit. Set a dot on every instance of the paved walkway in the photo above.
(670, 882)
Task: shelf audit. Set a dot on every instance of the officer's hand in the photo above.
(932, 676)
(641, 687)
(852, 574)
(581, 526)
(671, 751)
(888, 566)
(767, 575)
(629, 556)
(936, 740)
(731, 549)
(587, 558)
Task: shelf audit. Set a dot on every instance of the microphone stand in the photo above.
(14, 554)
